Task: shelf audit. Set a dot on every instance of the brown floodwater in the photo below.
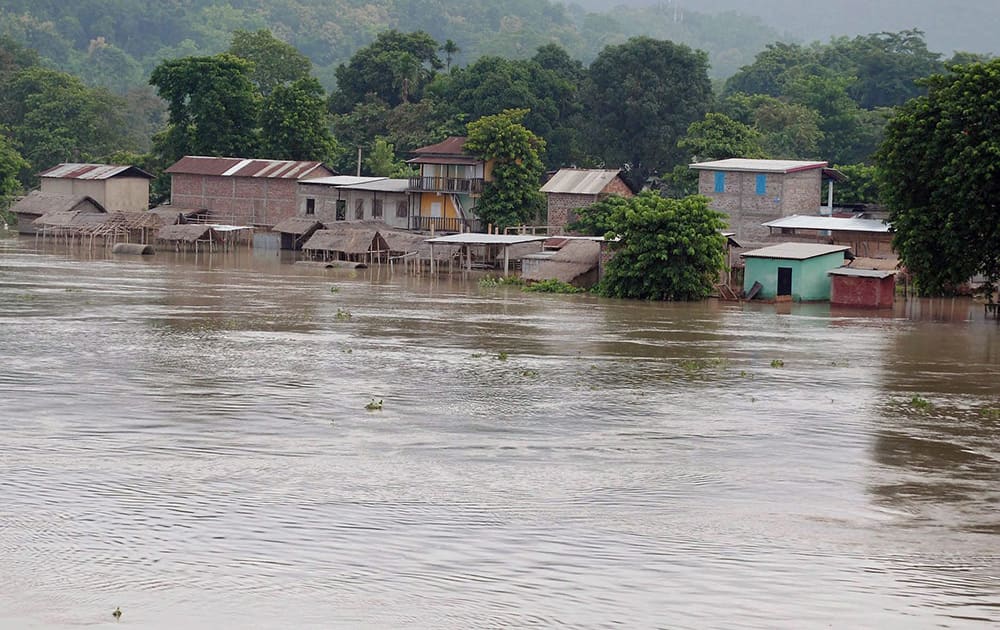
(186, 438)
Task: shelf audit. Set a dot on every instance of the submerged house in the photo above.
(754, 192)
(792, 271)
(862, 288)
(241, 191)
(574, 261)
(447, 188)
(865, 237)
(573, 188)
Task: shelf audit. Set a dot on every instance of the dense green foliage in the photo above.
(11, 165)
(719, 137)
(275, 62)
(512, 197)
(293, 123)
(940, 163)
(667, 249)
(552, 286)
(641, 96)
(213, 106)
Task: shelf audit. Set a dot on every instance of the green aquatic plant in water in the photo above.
(502, 356)
(374, 405)
(777, 363)
(343, 315)
(920, 403)
(552, 286)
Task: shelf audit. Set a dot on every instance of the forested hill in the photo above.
(117, 43)
(965, 25)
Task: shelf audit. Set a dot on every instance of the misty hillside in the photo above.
(969, 25)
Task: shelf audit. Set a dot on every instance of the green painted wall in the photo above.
(810, 281)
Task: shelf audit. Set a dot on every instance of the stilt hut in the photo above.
(170, 215)
(68, 224)
(354, 242)
(36, 204)
(295, 231)
(188, 236)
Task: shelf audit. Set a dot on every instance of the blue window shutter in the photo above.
(720, 182)
(762, 184)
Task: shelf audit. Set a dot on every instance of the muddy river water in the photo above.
(187, 439)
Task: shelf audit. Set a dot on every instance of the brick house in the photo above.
(573, 188)
(753, 192)
(114, 188)
(446, 190)
(241, 191)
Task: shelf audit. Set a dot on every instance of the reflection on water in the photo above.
(186, 438)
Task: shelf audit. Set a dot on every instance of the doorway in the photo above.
(784, 280)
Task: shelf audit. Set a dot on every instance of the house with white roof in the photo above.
(753, 192)
(346, 198)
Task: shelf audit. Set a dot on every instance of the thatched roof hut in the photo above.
(572, 263)
(295, 231)
(353, 239)
(185, 232)
(36, 204)
(70, 219)
(174, 214)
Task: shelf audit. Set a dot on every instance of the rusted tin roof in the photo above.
(72, 170)
(453, 145)
(241, 167)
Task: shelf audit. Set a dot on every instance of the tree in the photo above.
(512, 197)
(861, 185)
(788, 130)
(641, 97)
(395, 68)
(274, 62)
(294, 125)
(940, 176)
(765, 74)
(666, 249)
(450, 49)
(212, 104)
(382, 161)
(11, 165)
(719, 137)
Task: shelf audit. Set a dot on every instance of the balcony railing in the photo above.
(445, 224)
(463, 185)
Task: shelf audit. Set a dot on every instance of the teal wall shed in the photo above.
(798, 270)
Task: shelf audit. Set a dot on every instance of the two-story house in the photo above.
(448, 186)
(754, 192)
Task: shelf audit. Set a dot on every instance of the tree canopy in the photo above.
(275, 62)
(666, 249)
(940, 167)
(512, 197)
(641, 97)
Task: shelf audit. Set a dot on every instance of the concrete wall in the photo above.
(784, 195)
(237, 200)
(326, 197)
(118, 194)
(863, 292)
(810, 281)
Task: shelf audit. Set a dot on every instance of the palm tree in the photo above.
(450, 49)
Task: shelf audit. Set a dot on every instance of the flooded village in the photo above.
(199, 416)
(323, 314)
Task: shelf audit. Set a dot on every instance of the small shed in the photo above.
(792, 271)
(358, 243)
(865, 288)
(573, 188)
(294, 231)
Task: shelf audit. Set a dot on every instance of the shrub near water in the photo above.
(552, 286)
(667, 249)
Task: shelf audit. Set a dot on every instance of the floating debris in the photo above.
(374, 405)
(777, 363)
(117, 614)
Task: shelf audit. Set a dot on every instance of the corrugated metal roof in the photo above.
(861, 273)
(758, 166)
(381, 185)
(342, 180)
(475, 238)
(244, 167)
(795, 251)
(453, 145)
(815, 222)
(72, 170)
(580, 181)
